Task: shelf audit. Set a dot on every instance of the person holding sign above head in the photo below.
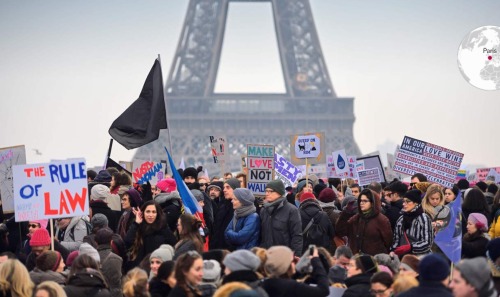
(283, 225)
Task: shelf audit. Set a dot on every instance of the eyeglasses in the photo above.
(204, 184)
(407, 201)
(33, 226)
(412, 185)
(388, 194)
(375, 292)
(362, 201)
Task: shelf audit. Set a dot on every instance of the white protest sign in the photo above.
(440, 165)
(353, 173)
(285, 170)
(340, 163)
(144, 171)
(50, 190)
(260, 164)
(307, 146)
(368, 176)
(219, 149)
(9, 157)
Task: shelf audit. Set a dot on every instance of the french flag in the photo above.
(191, 206)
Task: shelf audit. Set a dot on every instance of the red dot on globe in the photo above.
(490, 57)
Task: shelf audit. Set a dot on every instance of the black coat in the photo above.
(223, 214)
(31, 260)
(474, 245)
(99, 206)
(393, 211)
(179, 292)
(157, 288)
(427, 289)
(358, 286)
(310, 209)
(86, 284)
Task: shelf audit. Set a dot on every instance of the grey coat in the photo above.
(72, 243)
(38, 276)
(282, 225)
(111, 268)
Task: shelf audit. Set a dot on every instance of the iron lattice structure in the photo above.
(195, 111)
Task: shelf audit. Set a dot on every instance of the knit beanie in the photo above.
(327, 196)
(71, 257)
(479, 220)
(475, 271)
(134, 199)
(211, 271)
(190, 171)
(306, 196)
(386, 260)
(414, 195)
(433, 267)
(312, 178)
(103, 177)
(42, 223)
(410, 262)
(493, 249)
(87, 249)
(198, 195)
(165, 253)
(49, 260)
(244, 196)
(99, 192)
(40, 237)
(216, 184)
(99, 220)
(241, 260)
(367, 264)
(277, 186)
(167, 185)
(318, 188)
(233, 183)
(337, 274)
(302, 184)
(279, 259)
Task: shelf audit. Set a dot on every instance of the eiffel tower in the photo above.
(195, 111)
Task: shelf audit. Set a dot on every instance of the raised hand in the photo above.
(138, 214)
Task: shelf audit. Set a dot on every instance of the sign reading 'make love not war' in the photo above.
(260, 164)
(50, 190)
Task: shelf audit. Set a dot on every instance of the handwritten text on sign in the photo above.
(439, 164)
(50, 190)
(285, 170)
(260, 164)
(147, 171)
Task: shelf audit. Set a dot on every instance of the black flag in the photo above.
(140, 124)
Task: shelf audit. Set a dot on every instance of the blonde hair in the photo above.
(403, 283)
(53, 288)
(15, 279)
(229, 288)
(135, 283)
(426, 205)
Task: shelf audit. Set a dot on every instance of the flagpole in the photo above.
(166, 111)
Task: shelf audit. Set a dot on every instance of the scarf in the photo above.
(325, 205)
(271, 206)
(243, 211)
(367, 214)
(410, 215)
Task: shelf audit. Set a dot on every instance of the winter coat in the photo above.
(74, 233)
(247, 277)
(111, 268)
(179, 292)
(358, 285)
(428, 289)
(126, 219)
(208, 212)
(420, 234)
(283, 226)
(310, 209)
(157, 288)
(150, 242)
(38, 276)
(393, 211)
(465, 216)
(246, 234)
(184, 247)
(31, 259)
(99, 206)
(280, 287)
(86, 284)
(223, 214)
(369, 234)
(494, 231)
(171, 205)
(474, 245)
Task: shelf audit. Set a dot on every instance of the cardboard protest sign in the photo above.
(147, 171)
(50, 190)
(307, 146)
(219, 149)
(260, 164)
(367, 163)
(285, 170)
(367, 176)
(438, 164)
(482, 174)
(9, 156)
(340, 163)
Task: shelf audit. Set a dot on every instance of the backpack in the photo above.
(314, 233)
(72, 231)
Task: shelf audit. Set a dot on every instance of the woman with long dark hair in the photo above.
(474, 201)
(131, 199)
(189, 233)
(147, 233)
(85, 279)
(189, 274)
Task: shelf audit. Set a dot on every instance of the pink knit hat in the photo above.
(167, 185)
(479, 220)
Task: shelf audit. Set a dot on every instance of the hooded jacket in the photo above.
(74, 233)
(171, 205)
(87, 283)
(309, 209)
(370, 234)
(223, 214)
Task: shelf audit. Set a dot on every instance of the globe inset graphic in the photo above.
(479, 58)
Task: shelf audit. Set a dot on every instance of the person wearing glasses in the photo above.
(32, 227)
(189, 275)
(381, 283)
(394, 201)
(417, 178)
(413, 233)
(369, 231)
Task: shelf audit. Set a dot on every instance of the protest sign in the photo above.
(9, 156)
(260, 164)
(147, 171)
(219, 149)
(368, 176)
(482, 174)
(50, 190)
(285, 170)
(340, 163)
(353, 173)
(366, 163)
(438, 164)
(330, 167)
(307, 146)
(461, 174)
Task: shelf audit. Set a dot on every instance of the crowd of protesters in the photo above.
(319, 238)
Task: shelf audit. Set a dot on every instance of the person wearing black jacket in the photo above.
(309, 210)
(360, 270)
(223, 214)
